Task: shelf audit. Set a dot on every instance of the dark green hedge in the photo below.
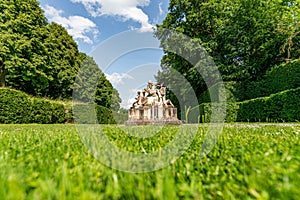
(15, 106)
(279, 107)
(47, 112)
(283, 77)
(231, 111)
(85, 114)
(19, 108)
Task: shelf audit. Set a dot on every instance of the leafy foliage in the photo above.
(279, 107)
(283, 106)
(42, 59)
(245, 38)
(15, 106)
(20, 22)
(63, 61)
(19, 108)
(92, 114)
(282, 77)
(91, 86)
(47, 112)
(36, 57)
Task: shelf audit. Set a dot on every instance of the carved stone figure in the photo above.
(167, 103)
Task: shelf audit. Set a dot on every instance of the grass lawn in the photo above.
(249, 161)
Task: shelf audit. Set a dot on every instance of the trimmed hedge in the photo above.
(85, 114)
(283, 77)
(47, 112)
(279, 107)
(19, 108)
(15, 106)
(231, 111)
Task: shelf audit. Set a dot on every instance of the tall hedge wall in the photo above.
(279, 107)
(282, 77)
(19, 108)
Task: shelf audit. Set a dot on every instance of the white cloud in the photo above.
(77, 26)
(160, 8)
(124, 9)
(129, 102)
(117, 79)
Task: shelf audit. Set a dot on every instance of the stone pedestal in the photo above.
(156, 114)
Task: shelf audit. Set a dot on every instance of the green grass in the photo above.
(250, 161)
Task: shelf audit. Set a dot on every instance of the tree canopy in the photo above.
(41, 58)
(245, 38)
(92, 86)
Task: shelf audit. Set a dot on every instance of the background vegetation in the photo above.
(18, 107)
(42, 59)
(254, 44)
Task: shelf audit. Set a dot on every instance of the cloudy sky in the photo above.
(129, 59)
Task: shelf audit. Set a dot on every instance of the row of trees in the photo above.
(245, 38)
(41, 58)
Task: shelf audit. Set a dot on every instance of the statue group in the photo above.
(151, 95)
(152, 107)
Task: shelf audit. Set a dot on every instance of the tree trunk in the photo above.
(2, 75)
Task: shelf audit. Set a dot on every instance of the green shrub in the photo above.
(104, 115)
(231, 111)
(120, 118)
(47, 112)
(14, 106)
(92, 114)
(252, 110)
(282, 77)
(213, 93)
(18, 108)
(279, 107)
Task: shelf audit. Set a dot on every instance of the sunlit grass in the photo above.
(249, 161)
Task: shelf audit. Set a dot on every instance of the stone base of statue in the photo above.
(155, 115)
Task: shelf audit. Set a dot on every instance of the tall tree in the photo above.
(43, 59)
(92, 86)
(63, 59)
(18, 21)
(245, 38)
(36, 57)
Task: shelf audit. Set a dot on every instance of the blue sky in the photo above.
(103, 27)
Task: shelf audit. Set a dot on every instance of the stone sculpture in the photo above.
(152, 107)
